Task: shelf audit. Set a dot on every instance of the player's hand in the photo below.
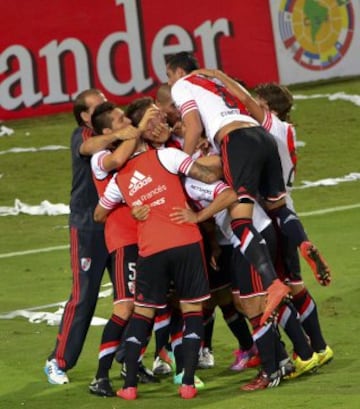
(151, 113)
(129, 132)
(213, 263)
(177, 129)
(161, 132)
(181, 215)
(215, 255)
(140, 213)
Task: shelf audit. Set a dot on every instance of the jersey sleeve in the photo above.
(275, 126)
(201, 191)
(183, 98)
(97, 164)
(112, 195)
(175, 160)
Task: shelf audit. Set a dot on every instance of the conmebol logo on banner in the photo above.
(317, 33)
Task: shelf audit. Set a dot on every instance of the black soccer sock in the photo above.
(309, 319)
(254, 249)
(289, 224)
(176, 331)
(139, 328)
(289, 321)
(193, 336)
(237, 325)
(265, 338)
(161, 329)
(109, 343)
(209, 322)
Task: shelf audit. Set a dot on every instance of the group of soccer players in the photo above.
(186, 201)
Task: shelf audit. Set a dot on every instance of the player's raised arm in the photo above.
(237, 90)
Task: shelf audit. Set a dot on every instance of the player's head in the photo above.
(166, 104)
(179, 65)
(108, 117)
(136, 111)
(84, 105)
(276, 98)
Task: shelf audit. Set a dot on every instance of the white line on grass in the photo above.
(35, 251)
(303, 214)
(329, 210)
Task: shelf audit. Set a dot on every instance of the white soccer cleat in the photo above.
(55, 375)
(160, 367)
(206, 359)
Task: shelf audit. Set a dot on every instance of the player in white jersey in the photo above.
(250, 159)
(271, 106)
(248, 290)
(271, 109)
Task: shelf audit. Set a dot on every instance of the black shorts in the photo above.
(252, 164)
(184, 266)
(221, 278)
(123, 263)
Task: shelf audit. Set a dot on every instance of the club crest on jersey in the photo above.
(138, 181)
(131, 286)
(85, 263)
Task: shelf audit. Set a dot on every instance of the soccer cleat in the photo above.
(129, 393)
(262, 381)
(325, 356)
(168, 357)
(253, 362)
(206, 359)
(302, 367)
(286, 368)
(101, 387)
(161, 367)
(54, 374)
(199, 384)
(187, 391)
(242, 358)
(144, 375)
(277, 291)
(318, 265)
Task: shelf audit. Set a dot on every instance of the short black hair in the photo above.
(100, 119)
(136, 110)
(80, 103)
(183, 60)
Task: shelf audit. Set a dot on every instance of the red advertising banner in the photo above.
(51, 51)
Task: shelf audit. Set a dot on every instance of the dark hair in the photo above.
(136, 110)
(163, 93)
(183, 60)
(101, 119)
(278, 98)
(80, 104)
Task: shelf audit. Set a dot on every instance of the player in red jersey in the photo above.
(167, 251)
(120, 238)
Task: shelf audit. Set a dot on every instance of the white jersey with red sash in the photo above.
(285, 137)
(216, 105)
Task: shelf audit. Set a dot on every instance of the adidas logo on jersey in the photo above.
(138, 181)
